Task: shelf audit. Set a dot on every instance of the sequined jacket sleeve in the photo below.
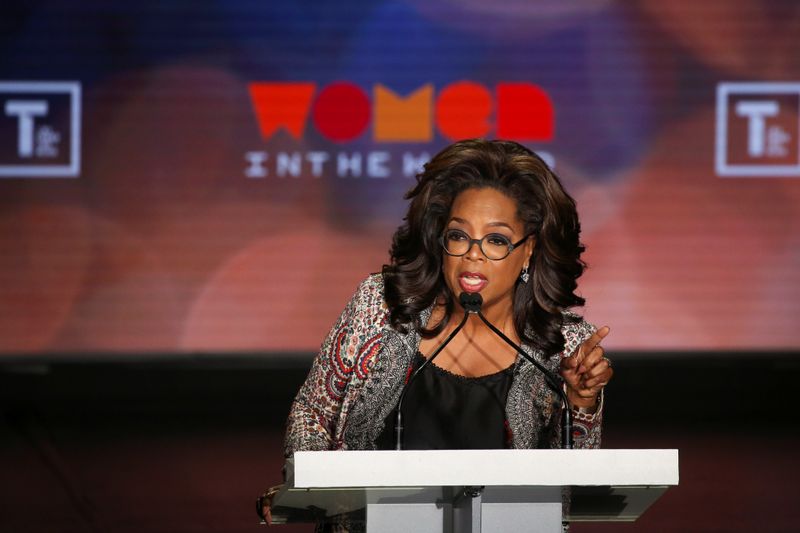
(586, 429)
(341, 365)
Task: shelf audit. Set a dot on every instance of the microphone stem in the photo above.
(398, 427)
(552, 381)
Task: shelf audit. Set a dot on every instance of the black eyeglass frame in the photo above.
(479, 242)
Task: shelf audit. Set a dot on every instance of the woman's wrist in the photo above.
(587, 410)
(586, 405)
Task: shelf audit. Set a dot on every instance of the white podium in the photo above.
(444, 491)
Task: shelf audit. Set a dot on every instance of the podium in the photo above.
(471, 491)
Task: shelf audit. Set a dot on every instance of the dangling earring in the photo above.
(524, 276)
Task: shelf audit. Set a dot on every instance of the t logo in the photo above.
(757, 129)
(40, 129)
(25, 111)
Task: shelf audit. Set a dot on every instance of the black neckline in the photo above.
(474, 379)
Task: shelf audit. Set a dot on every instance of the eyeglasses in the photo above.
(493, 245)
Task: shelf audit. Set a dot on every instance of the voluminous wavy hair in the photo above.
(414, 281)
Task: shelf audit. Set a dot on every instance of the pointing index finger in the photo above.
(592, 342)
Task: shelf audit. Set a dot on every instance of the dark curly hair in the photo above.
(414, 280)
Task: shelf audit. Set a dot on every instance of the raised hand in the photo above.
(587, 371)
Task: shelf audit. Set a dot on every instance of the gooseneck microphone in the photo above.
(471, 304)
(555, 382)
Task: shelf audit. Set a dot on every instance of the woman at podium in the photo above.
(486, 218)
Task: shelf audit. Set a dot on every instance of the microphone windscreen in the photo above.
(471, 301)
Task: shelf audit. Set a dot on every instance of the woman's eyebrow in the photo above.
(500, 224)
(497, 224)
(493, 224)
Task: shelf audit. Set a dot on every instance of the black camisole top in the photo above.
(446, 411)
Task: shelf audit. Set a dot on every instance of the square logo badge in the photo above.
(40, 129)
(758, 129)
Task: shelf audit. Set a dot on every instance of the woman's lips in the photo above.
(472, 282)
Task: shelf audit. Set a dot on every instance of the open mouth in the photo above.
(472, 282)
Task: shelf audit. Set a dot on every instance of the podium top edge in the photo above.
(374, 468)
(493, 452)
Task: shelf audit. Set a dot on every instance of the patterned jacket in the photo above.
(357, 377)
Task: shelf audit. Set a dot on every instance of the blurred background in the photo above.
(191, 191)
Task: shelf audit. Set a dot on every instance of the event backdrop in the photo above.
(218, 176)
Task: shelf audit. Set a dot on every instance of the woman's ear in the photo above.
(530, 246)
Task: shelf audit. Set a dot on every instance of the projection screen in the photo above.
(209, 176)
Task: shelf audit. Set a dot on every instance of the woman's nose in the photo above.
(474, 252)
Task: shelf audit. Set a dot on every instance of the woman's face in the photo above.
(477, 213)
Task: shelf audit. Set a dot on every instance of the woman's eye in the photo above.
(497, 240)
(456, 236)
